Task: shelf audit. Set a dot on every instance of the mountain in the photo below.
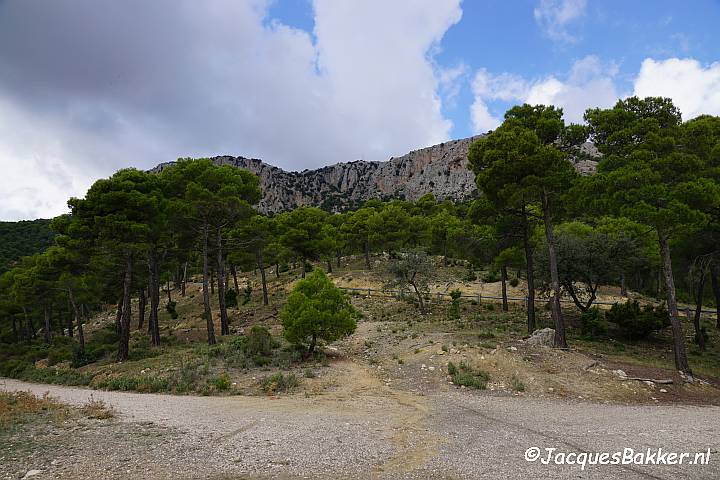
(440, 169)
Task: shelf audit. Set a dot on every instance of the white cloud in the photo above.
(95, 86)
(588, 84)
(553, 16)
(694, 88)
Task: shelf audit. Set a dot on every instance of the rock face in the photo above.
(441, 170)
(542, 338)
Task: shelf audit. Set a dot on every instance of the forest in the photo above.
(648, 222)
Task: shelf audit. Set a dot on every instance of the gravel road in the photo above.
(367, 431)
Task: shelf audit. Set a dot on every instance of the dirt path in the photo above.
(364, 429)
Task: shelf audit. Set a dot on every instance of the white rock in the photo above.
(662, 390)
(432, 369)
(32, 473)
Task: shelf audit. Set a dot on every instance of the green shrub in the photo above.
(593, 323)
(636, 323)
(516, 384)
(514, 282)
(171, 309)
(491, 277)
(231, 300)
(317, 310)
(309, 373)
(247, 294)
(277, 383)
(259, 341)
(464, 375)
(221, 382)
(455, 304)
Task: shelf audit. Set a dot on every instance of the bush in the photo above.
(636, 323)
(247, 294)
(170, 307)
(455, 304)
(464, 375)
(277, 383)
(231, 300)
(491, 277)
(514, 282)
(221, 383)
(259, 341)
(317, 310)
(516, 384)
(593, 323)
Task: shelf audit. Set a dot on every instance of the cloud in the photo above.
(553, 16)
(95, 85)
(694, 88)
(588, 84)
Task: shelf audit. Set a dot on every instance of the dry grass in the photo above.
(97, 409)
(18, 407)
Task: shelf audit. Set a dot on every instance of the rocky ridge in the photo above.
(440, 169)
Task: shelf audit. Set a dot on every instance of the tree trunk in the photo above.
(367, 254)
(329, 265)
(261, 267)
(503, 272)
(623, 286)
(154, 294)
(118, 315)
(233, 272)
(142, 302)
(302, 267)
(46, 324)
(313, 342)
(337, 256)
(419, 297)
(681, 360)
(168, 291)
(699, 337)
(224, 323)
(84, 313)
(714, 274)
(70, 326)
(530, 273)
(560, 339)
(124, 345)
(277, 269)
(14, 329)
(78, 320)
(184, 280)
(206, 293)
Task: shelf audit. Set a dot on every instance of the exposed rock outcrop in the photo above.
(441, 170)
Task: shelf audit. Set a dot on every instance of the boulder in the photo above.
(543, 338)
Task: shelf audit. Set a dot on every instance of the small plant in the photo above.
(231, 300)
(444, 348)
(221, 382)
(278, 383)
(455, 304)
(97, 409)
(463, 375)
(516, 384)
(309, 373)
(247, 294)
(170, 308)
(593, 323)
(514, 282)
(259, 341)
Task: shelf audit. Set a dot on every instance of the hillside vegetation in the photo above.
(551, 283)
(20, 239)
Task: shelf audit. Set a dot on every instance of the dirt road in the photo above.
(366, 430)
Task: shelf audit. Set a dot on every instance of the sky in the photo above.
(88, 87)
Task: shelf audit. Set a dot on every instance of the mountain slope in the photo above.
(440, 169)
